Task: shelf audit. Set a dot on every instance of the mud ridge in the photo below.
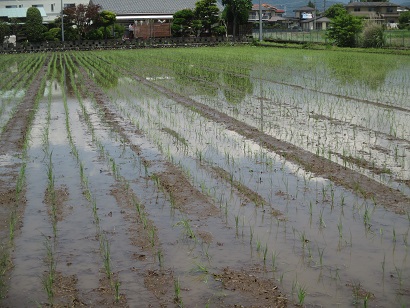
(390, 198)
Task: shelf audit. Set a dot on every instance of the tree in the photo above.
(183, 23)
(237, 12)
(208, 13)
(404, 20)
(83, 17)
(4, 30)
(373, 35)
(344, 29)
(107, 19)
(335, 10)
(34, 28)
(311, 4)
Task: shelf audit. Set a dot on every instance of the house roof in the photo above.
(371, 4)
(19, 12)
(318, 19)
(268, 7)
(277, 18)
(132, 7)
(305, 9)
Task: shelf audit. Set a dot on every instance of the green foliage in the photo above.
(344, 30)
(219, 30)
(34, 25)
(373, 36)
(335, 10)
(183, 23)
(113, 31)
(54, 34)
(236, 12)
(404, 20)
(82, 18)
(95, 34)
(107, 19)
(207, 12)
(4, 29)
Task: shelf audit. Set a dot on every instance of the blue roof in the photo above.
(19, 12)
(126, 7)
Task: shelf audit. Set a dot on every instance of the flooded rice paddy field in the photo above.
(205, 177)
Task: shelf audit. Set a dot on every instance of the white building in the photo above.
(52, 8)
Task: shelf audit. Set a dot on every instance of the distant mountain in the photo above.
(403, 3)
(290, 5)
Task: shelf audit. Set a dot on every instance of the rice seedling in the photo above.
(177, 292)
(301, 291)
(49, 277)
(106, 254)
(274, 259)
(187, 228)
(265, 253)
(117, 296)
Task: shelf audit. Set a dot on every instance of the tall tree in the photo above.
(344, 30)
(404, 20)
(208, 13)
(335, 10)
(83, 17)
(311, 4)
(4, 29)
(184, 23)
(34, 25)
(237, 12)
(107, 19)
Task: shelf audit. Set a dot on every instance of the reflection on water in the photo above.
(352, 70)
(236, 87)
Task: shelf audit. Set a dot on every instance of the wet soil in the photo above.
(187, 199)
(246, 285)
(369, 188)
(12, 141)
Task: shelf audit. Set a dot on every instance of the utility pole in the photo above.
(62, 21)
(260, 21)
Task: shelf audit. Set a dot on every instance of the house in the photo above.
(270, 14)
(146, 18)
(302, 17)
(49, 9)
(305, 12)
(268, 11)
(380, 12)
(317, 23)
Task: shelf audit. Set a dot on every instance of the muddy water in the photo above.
(319, 235)
(327, 231)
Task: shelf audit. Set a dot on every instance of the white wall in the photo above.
(52, 7)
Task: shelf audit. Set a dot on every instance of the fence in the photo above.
(394, 38)
(120, 44)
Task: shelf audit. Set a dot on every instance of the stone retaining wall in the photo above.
(119, 44)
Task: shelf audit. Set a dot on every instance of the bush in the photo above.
(219, 30)
(4, 30)
(95, 34)
(34, 25)
(344, 30)
(54, 34)
(373, 36)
